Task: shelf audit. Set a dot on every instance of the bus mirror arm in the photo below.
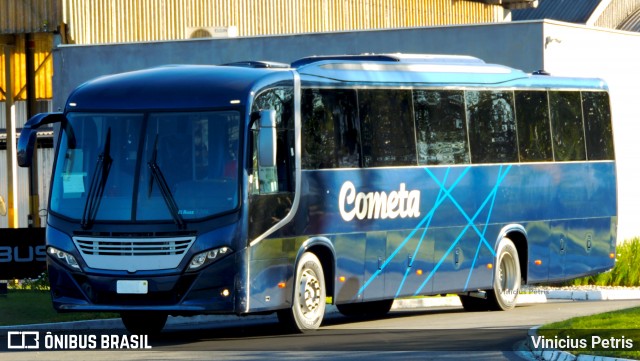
(267, 139)
(28, 134)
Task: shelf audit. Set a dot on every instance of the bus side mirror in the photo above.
(267, 139)
(27, 140)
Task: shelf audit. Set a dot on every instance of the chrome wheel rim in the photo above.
(310, 294)
(507, 278)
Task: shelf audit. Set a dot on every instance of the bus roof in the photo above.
(170, 87)
(427, 70)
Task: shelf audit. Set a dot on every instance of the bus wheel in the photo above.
(309, 296)
(366, 309)
(507, 278)
(144, 323)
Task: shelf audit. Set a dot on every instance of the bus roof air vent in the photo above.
(258, 64)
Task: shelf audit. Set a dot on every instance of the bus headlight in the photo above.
(204, 258)
(63, 256)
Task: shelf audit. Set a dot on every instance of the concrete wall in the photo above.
(514, 44)
(572, 50)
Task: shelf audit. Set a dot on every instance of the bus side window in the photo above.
(597, 123)
(388, 132)
(330, 129)
(492, 126)
(534, 134)
(441, 131)
(566, 125)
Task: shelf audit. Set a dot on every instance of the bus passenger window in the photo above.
(566, 126)
(330, 129)
(597, 124)
(388, 132)
(492, 126)
(440, 127)
(534, 134)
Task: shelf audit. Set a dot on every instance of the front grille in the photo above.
(133, 254)
(128, 247)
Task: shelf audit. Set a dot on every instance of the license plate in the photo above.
(132, 287)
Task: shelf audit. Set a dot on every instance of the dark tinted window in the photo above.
(597, 123)
(441, 131)
(566, 126)
(388, 137)
(279, 178)
(492, 126)
(330, 130)
(534, 132)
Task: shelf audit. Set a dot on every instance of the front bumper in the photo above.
(211, 290)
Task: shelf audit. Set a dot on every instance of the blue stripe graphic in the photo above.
(443, 194)
(426, 218)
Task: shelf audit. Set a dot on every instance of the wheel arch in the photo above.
(518, 235)
(324, 250)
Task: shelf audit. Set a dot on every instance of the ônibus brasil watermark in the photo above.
(36, 340)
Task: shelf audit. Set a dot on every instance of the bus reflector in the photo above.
(612, 255)
(538, 262)
(342, 278)
(490, 265)
(419, 272)
(225, 292)
(282, 285)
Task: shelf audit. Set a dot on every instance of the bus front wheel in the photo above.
(309, 296)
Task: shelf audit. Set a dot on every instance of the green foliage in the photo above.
(33, 284)
(626, 271)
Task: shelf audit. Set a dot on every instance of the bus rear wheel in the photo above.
(507, 278)
(144, 322)
(506, 282)
(366, 309)
(309, 296)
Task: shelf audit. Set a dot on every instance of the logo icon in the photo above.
(23, 340)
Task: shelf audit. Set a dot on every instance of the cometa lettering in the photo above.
(378, 205)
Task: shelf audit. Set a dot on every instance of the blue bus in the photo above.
(261, 187)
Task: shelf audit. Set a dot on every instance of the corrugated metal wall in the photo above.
(45, 167)
(21, 112)
(43, 43)
(616, 13)
(109, 21)
(29, 16)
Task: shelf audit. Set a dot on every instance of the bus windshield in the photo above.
(147, 167)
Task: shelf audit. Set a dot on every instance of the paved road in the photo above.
(444, 333)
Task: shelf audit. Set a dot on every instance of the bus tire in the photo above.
(144, 322)
(366, 309)
(309, 296)
(506, 279)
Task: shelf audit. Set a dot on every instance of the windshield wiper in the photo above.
(98, 181)
(163, 186)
